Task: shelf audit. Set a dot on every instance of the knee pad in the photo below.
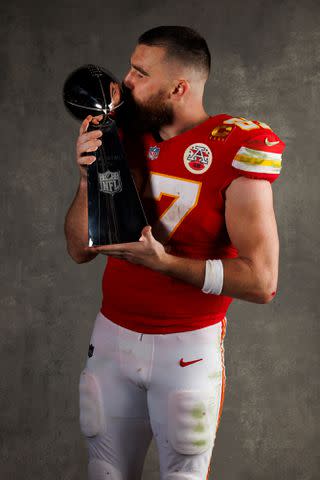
(92, 421)
(101, 470)
(192, 422)
(183, 476)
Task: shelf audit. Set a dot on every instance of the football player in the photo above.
(155, 364)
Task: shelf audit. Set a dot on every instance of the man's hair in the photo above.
(181, 43)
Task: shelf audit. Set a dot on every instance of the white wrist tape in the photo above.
(213, 281)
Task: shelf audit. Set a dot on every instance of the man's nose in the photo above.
(128, 81)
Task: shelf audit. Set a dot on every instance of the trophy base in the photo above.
(116, 216)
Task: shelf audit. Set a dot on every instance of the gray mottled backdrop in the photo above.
(266, 65)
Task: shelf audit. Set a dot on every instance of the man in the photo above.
(155, 363)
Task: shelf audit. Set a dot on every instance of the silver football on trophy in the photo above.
(91, 90)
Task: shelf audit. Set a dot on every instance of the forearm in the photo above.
(76, 225)
(250, 280)
(242, 278)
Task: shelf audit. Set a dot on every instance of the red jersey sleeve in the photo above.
(260, 156)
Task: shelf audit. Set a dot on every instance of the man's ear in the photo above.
(180, 88)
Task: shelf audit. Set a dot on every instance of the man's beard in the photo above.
(148, 116)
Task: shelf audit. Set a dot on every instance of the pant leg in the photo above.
(185, 401)
(113, 409)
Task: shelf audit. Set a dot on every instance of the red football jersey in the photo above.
(182, 183)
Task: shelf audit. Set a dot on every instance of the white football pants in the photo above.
(138, 385)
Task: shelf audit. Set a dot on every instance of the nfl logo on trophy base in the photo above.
(110, 182)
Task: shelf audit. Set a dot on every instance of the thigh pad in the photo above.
(92, 421)
(192, 419)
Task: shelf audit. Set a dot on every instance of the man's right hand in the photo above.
(87, 142)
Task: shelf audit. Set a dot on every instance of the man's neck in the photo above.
(182, 125)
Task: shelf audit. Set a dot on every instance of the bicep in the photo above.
(251, 222)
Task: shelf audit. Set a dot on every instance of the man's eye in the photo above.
(139, 74)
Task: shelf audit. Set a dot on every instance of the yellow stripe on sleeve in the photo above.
(257, 161)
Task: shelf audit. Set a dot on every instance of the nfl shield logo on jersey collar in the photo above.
(197, 158)
(153, 153)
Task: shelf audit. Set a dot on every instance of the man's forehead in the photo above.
(147, 56)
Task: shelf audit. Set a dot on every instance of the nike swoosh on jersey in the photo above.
(185, 364)
(271, 144)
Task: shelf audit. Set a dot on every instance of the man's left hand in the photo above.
(147, 251)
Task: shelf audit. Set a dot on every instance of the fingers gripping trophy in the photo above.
(115, 212)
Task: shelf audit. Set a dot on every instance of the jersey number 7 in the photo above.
(185, 195)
